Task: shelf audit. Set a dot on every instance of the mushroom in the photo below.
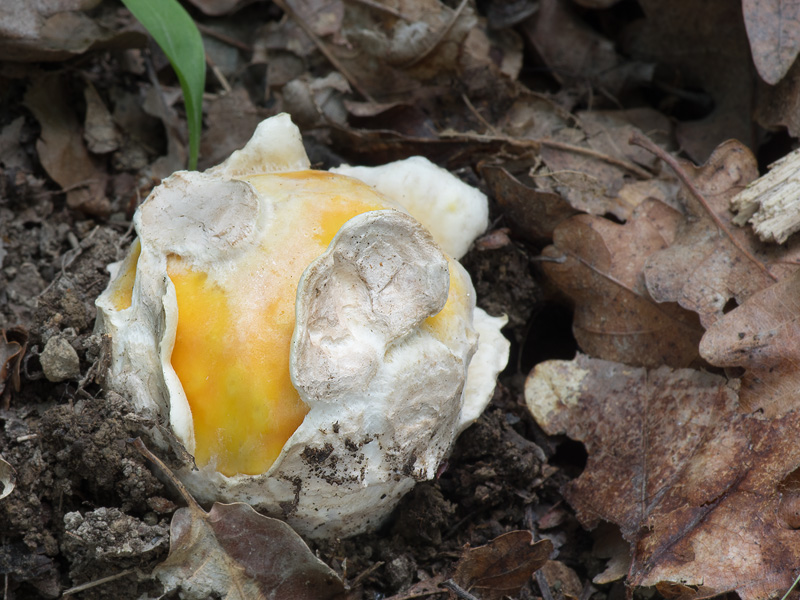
(309, 337)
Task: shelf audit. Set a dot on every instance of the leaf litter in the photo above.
(534, 102)
(236, 553)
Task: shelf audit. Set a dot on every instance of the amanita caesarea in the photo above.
(308, 336)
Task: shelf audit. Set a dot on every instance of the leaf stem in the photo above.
(144, 451)
(639, 140)
(791, 587)
(458, 590)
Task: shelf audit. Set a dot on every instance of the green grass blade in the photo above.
(176, 34)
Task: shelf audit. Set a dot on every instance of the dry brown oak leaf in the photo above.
(763, 336)
(238, 554)
(706, 496)
(601, 272)
(705, 269)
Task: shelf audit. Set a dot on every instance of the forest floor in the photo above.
(534, 103)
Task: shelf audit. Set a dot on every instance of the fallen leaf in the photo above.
(596, 3)
(7, 478)
(324, 17)
(503, 566)
(61, 149)
(610, 545)
(488, 56)
(21, 563)
(501, 15)
(143, 134)
(421, 589)
(12, 154)
(598, 265)
(99, 131)
(762, 336)
(13, 345)
(712, 262)
(236, 553)
(773, 28)
(364, 146)
(577, 55)
(530, 213)
(779, 105)
(704, 495)
(160, 103)
(704, 47)
(385, 52)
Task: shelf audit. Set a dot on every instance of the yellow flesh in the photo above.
(234, 330)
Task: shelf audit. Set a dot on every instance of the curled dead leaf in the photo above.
(239, 554)
(236, 553)
(503, 566)
(578, 55)
(13, 345)
(531, 213)
(8, 478)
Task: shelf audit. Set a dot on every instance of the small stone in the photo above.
(60, 360)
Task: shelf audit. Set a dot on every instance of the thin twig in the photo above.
(489, 127)
(223, 81)
(364, 574)
(95, 583)
(622, 164)
(789, 591)
(386, 9)
(144, 451)
(536, 144)
(553, 259)
(646, 143)
(285, 7)
(458, 590)
(440, 35)
(588, 590)
(544, 587)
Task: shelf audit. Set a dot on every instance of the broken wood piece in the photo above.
(771, 203)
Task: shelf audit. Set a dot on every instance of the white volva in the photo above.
(389, 355)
